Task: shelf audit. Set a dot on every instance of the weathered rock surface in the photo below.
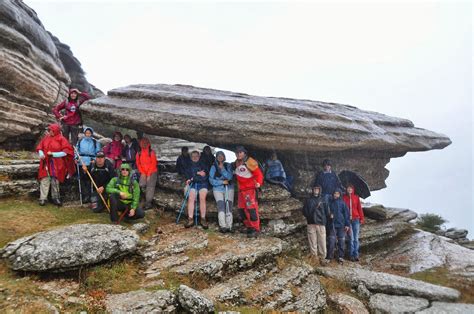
(69, 247)
(379, 212)
(380, 232)
(141, 301)
(390, 284)
(310, 297)
(308, 131)
(454, 233)
(383, 303)
(193, 301)
(346, 304)
(451, 308)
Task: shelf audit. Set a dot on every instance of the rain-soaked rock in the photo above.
(141, 227)
(454, 233)
(193, 301)
(379, 282)
(69, 247)
(383, 303)
(451, 308)
(346, 304)
(380, 213)
(373, 232)
(141, 301)
(310, 298)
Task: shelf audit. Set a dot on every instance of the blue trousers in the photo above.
(334, 233)
(354, 238)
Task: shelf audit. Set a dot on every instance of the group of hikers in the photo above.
(117, 175)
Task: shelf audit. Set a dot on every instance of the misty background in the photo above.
(406, 59)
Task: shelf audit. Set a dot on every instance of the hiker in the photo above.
(317, 215)
(356, 217)
(197, 181)
(71, 120)
(275, 173)
(337, 226)
(249, 179)
(87, 147)
(147, 167)
(56, 161)
(220, 177)
(207, 158)
(327, 180)
(102, 171)
(124, 195)
(113, 150)
(130, 150)
(183, 162)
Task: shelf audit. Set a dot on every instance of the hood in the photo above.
(219, 153)
(144, 143)
(74, 90)
(119, 134)
(353, 189)
(126, 166)
(88, 128)
(316, 186)
(54, 129)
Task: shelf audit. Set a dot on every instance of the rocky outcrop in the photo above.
(33, 76)
(307, 132)
(69, 248)
(193, 301)
(141, 301)
(346, 304)
(451, 308)
(378, 282)
(383, 303)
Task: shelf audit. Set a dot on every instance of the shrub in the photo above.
(430, 222)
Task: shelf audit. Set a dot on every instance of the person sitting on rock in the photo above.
(356, 217)
(102, 171)
(147, 165)
(275, 173)
(249, 179)
(56, 161)
(327, 180)
(113, 150)
(183, 162)
(87, 148)
(71, 120)
(207, 158)
(124, 195)
(317, 215)
(130, 150)
(220, 177)
(337, 226)
(197, 182)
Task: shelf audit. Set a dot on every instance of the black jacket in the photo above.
(316, 211)
(102, 175)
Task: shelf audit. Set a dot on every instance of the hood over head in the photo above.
(54, 129)
(220, 153)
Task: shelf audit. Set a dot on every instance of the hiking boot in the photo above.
(57, 202)
(353, 259)
(148, 206)
(223, 230)
(252, 233)
(340, 260)
(42, 202)
(190, 223)
(203, 223)
(325, 261)
(356, 259)
(244, 230)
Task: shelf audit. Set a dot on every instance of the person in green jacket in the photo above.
(124, 194)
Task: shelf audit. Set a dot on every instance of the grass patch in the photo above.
(220, 307)
(441, 276)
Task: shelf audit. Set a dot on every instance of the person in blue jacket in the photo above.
(337, 226)
(220, 177)
(197, 181)
(327, 180)
(87, 147)
(183, 162)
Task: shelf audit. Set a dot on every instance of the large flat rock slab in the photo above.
(378, 282)
(141, 301)
(69, 247)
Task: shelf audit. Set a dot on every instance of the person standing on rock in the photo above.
(130, 150)
(124, 194)
(207, 158)
(71, 119)
(220, 177)
(317, 215)
(56, 161)
(87, 147)
(249, 179)
(102, 171)
(338, 226)
(327, 180)
(113, 150)
(183, 162)
(197, 181)
(147, 165)
(356, 217)
(275, 173)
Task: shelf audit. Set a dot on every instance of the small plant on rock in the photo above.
(430, 222)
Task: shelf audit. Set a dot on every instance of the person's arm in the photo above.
(83, 97)
(154, 161)
(361, 211)
(58, 154)
(138, 164)
(111, 189)
(136, 195)
(98, 146)
(346, 215)
(212, 180)
(227, 172)
(41, 154)
(57, 109)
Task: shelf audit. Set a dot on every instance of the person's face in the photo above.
(127, 139)
(336, 195)
(220, 158)
(316, 191)
(124, 172)
(195, 157)
(88, 133)
(207, 150)
(73, 95)
(185, 152)
(350, 190)
(327, 167)
(100, 161)
(240, 155)
(116, 137)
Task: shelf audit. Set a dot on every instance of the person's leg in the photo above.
(114, 207)
(139, 213)
(313, 244)
(150, 189)
(355, 238)
(241, 205)
(340, 241)
(321, 239)
(331, 235)
(66, 131)
(221, 217)
(252, 209)
(85, 186)
(55, 190)
(44, 188)
(191, 201)
(75, 130)
(230, 203)
(202, 207)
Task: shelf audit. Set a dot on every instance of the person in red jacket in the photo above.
(147, 166)
(71, 118)
(249, 179)
(356, 215)
(113, 150)
(56, 161)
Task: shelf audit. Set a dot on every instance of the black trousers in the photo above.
(117, 206)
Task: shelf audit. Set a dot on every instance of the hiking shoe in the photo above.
(244, 230)
(325, 261)
(353, 259)
(203, 223)
(356, 259)
(148, 206)
(190, 223)
(223, 230)
(42, 202)
(252, 233)
(57, 202)
(340, 260)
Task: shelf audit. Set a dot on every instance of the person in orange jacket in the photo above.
(249, 179)
(356, 216)
(147, 167)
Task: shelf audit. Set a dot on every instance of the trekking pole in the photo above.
(123, 215)
(181, 210)
(226, 200)
(196, 207)
(93, 182)
(79, 183)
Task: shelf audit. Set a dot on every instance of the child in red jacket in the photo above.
(356, 215)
